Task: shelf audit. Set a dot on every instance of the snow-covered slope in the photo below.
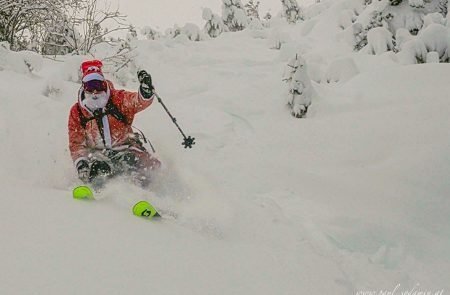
(352, 198)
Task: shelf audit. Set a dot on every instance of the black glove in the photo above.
(83, 170)
(146, 84)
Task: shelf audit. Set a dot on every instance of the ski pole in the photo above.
(188, 141)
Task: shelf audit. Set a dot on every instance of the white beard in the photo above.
(95, 101)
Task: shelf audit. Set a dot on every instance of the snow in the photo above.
(379, 40)
(354, 197)
(434, 18)
(436, 37)
(341, 69)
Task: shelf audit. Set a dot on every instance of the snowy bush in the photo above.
(345, 19)
(26, 20)
(266, 20)
(436, 38)
(131, 34)
(341, 70)
(375, 19)
(33, 61)
(432, 57)
(12, 61)
(190, 32)
(402, 36)
(412, 15)
(172, 32)
(214, 24)
(257, 30)
(233, 15)
(193, 32)
(433, 18)
(379, 40)
(59, 38)
(413, 51)
(150, 34)
(53, 87)
(291, 11)
(299, 87)
(359, 36)
(58, 27)
(416, 3)
(252, 10)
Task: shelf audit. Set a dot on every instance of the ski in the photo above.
(83, 192)
(145, 209)
(141, 209)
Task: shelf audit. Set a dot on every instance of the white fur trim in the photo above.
(93, 76)
(95, 101)
(107, 132)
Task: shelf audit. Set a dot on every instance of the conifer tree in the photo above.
(233, 15)
(291, 11)
(252, 9)
(214, 24)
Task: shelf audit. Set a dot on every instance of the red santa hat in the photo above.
(92, 70)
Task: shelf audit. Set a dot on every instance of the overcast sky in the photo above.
(165, 13)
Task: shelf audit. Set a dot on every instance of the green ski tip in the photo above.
(83, 193)
(145, 209)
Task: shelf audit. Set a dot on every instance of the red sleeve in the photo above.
(77, 140)
(135, 102)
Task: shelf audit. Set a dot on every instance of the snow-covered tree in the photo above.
(291, 11)
(433, 18)
(193, 32)
(252, 9)
(401, 37)
(90, 20)
(432, 57)
(189, 31)
(443, 7)
(233, 15)
(70, 25)
(372, 19)
(22, 20)
(149, 33)
(214, 24)
(407, 19)
(131, 34)
(413, 51)
(346, 18)
(59, 37)
(359, 36)
(436, 38)
(299, 86)
(379, 40)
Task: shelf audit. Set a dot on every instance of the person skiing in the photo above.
(101, 139)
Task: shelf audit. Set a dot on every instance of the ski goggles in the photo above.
(95, 85)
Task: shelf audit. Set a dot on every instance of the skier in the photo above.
(101, 140)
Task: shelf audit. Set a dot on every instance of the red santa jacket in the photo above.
(84, 132)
